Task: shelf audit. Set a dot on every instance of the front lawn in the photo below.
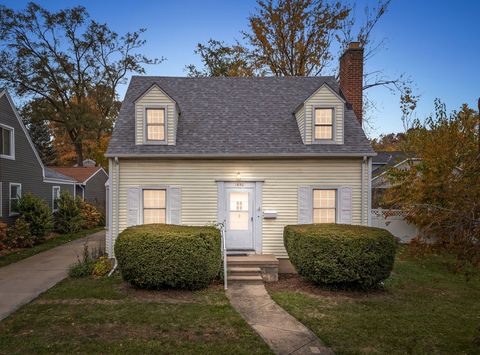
(48, 244)
(424, 308)
(107, 316)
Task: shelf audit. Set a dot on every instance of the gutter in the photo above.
(362, 192)
(245, 156)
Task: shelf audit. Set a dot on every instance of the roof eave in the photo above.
(243, 156)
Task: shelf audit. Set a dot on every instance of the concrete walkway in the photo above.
(282, 332)
(23, 281)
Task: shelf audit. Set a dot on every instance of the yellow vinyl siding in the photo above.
(153, 97)
(280, 188)
(300, 117)
(324, 98)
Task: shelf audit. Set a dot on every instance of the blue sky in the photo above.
(436, 43)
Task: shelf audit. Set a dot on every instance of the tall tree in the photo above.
(441, 192)
(41, 136)
(220, 59)
(299, 38)
(71, 65)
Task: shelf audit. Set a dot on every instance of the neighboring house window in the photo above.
(155, 124)
(324, 206)
(323, 123)
(154, 206)
(55, 197)
(15, 194)
(6, 141)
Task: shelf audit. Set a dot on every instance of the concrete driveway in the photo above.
(23, 281)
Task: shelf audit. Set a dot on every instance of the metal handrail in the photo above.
(224, 252)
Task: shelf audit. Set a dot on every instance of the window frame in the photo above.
(150, 188)
(333, 125)
(53, 197)
(325, 188)
(10, 213)
(165, 124)
(10, 156)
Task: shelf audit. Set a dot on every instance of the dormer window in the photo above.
(323, 124)
(155, 124)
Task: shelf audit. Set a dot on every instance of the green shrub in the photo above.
(37, 214)
(102, 266)
(158, 256)
(85, 265)
(19, 234)
(341, 255)
(67, 218)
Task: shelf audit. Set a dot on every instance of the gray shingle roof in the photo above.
(234, 117)
(52, 174)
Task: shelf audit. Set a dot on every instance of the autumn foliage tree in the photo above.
(68, 68)
(440, 192)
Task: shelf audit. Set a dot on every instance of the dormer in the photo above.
(156, 118)
(320, 118)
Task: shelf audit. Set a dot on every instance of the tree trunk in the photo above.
(79, 151)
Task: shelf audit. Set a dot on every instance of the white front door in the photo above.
(239, 227)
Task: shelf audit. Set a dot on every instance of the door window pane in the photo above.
(239, 214)
(324, 206)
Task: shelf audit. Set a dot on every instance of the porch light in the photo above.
(239, 177)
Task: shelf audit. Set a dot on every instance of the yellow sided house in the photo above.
(255, 154)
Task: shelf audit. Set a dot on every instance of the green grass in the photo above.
(425, 309)
(49, 244)
(104, 316)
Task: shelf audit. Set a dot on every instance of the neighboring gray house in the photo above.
(21, 169)
(90, 182)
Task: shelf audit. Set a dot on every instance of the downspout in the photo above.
(117, 204)
(369, 200)
(362, 191)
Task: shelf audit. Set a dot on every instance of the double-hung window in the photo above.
(323, 124)
(15, 194)
(154, 206)
(155, 124)
(6, 141)
(324, 206)
(55, 197)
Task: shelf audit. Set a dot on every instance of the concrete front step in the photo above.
(247, 265)
(244, 271)
(245, 278)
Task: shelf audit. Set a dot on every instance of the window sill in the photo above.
(9, 157)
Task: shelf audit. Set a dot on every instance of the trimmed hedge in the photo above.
(156, 256)
(341, 255)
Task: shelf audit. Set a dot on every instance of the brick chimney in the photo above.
(351, 77)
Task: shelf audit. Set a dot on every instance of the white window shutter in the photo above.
(345, 205)
(174, 205)
(305, 205)
(133, 206)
